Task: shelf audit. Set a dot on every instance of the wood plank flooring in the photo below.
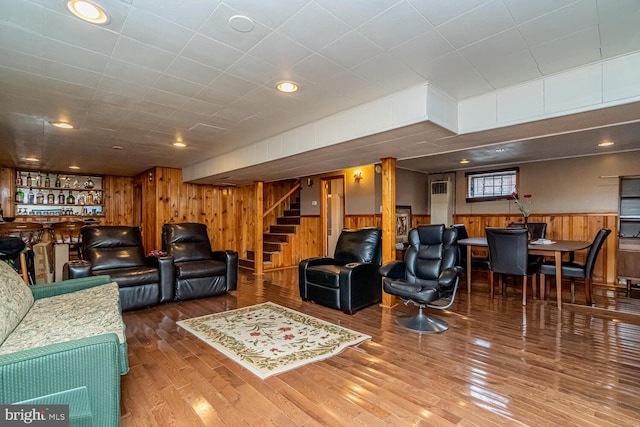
(499, 364)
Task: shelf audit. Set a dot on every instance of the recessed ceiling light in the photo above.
(287, 87)
(74, 167)
(62, 125)
(32, 159)
(241, 23)
(500, 150)
(88, 11)
(606, 144)
(179, 144)
(464, 161)
(117, 147)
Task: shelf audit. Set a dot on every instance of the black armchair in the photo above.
(350, 280)
(428, 276)
(199, 271)
(118, 252)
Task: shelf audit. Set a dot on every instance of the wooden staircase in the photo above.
(279, 234)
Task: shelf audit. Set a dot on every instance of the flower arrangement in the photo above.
(523, 206)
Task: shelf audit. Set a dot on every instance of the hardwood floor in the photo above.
(498, 364)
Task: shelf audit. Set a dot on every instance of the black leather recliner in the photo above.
(350, 280)
(118, 252)
(428, 276)
(199, 271)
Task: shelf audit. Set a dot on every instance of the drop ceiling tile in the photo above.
(314, 27)
(165, 98)
(439, 12)
(230, 86)
(210, 52)
(350, 50)
(272, 13)
(510, 69)
(24, 15)
(462, 83)
(153, 30)
(144, 55)
(492, 50)
(620, 36)
(568, 52)
(442, 65)
(202, 107)
(394, 26)
(191, 14)
(523, 11)
(482, 22)
(131, 73)
(20, 40)
(316, 69)
(74, 55)
(252, 69)
(217, 27)
(75, 32)
(422, 49)
(71, 74)
(280, 51)
(562, 22)
(356, 12)
(122, 88)
(20, 61)
(187, 69)
(378, 68)
(177, 86)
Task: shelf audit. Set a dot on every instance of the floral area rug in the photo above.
(269, 339)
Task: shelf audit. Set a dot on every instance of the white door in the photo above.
(334, 212)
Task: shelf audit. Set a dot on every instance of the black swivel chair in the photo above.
(509, 255)
(428, 276)
(574, 269)
(350, 280)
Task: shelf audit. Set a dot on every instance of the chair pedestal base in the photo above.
(422, 323)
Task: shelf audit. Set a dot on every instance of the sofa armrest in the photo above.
(302, 272)
(76, 269)
(89, 362)
(167, 272)
(46, 290)
(360, 284)
(394, 270)
(230, 258)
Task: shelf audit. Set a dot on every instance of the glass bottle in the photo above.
(61, 198)
(47, 181)
(90, 198)
(31, 197)
(29, 179)
(51, 198)
(58, 183)
(37, 181)
(19, 196)
(19, 180)
(70, 199)
(40, 197)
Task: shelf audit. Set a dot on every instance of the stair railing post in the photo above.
(258, 264)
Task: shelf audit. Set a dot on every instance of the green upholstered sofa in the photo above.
(63, 343)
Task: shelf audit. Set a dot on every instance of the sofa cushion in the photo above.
(15, 300)
(89, 312)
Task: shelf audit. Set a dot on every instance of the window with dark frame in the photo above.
(492, 185)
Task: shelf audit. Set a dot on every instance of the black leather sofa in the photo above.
(199, 271)
(350, 280)
(117, 251)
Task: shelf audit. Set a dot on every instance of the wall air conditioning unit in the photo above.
(441, 201)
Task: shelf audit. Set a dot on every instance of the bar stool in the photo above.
(31, 234)
(68, 233)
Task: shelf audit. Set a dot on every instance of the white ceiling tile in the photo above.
(187, 69)
(280, 51)
(313, 27)
(122, 88)
(272, 13)
(131, 73)
(356, 12)
(210, 52)
(253, 69)
(74, 55)
(202, 107)
(71, 74)
(482, 22)
(188, 13)
(317, 69)
(155, 31)
(168, 99)
(24, 15)
(141, 54)
(619, 36)
(422, 49)
(378, 68)
(177, 86)
(576, 59)
(217, 27)
(231, 86)
(463, 83)
(510, 69)
(20, 40)
(75, 32)
(439, 12)
(491, 50)
(350, 50)
(568, 50)
(394, 26)
(523, 11)
(614, 10)
(20, 61)
(561, 22)
(442, 65)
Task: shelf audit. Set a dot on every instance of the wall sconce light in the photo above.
(357, 176)
(150, 176)
(309, 182)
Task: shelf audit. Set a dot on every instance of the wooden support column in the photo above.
(388, 219)
(258, 264)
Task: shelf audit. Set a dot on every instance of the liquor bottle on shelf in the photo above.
(47, 181)
(40, 198)
(37, 181)
(70, 199)
(51, 198)
(19, 180)
(19, 196)
(57, 183)
(31, 198)
(61, 198)
(29, 179)
(90, 198)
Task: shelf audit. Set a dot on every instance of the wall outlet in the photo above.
(314, 203)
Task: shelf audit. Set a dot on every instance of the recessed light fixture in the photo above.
(74, 167)
(179, 144)
(88, 11)
(500, 150)
(606, 144)
(464, 161)
(62, 125)
(31, 159)
(287, 87)
(241, 23)
(117, 147)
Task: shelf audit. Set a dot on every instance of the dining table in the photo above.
(551, 247)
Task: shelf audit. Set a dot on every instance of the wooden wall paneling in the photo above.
(118, 200)
(355, 222)
(417, 220)
(7, 190)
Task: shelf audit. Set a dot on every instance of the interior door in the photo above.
(332, 212)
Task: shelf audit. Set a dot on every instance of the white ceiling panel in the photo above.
(192, 71)
(20, 40)
(210, 52)
(153, 30)
(75, 56)
(356, 12)
(314, 27)
(439, 12)
(395, 25)
(144, 55)
(70, 30)
(188, 13)
(523, 11)
(217, 27)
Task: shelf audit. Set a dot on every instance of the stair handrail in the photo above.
(282, 199)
